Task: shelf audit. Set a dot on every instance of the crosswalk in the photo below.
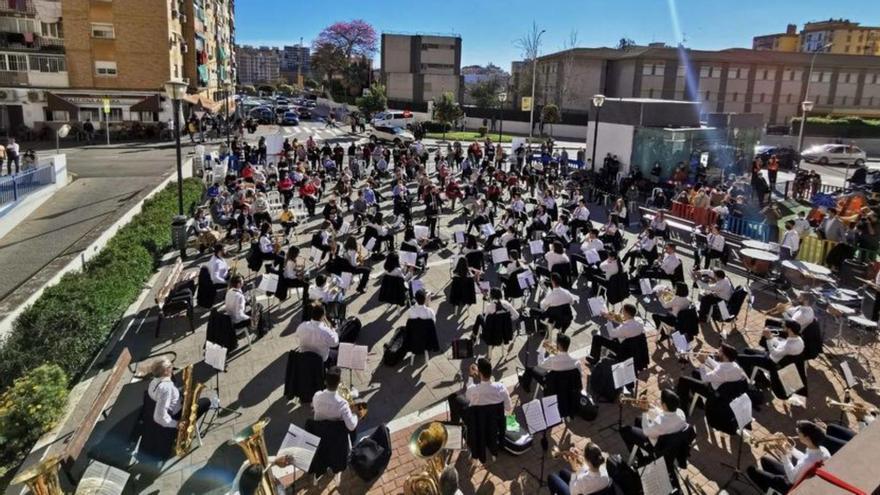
(319, 132)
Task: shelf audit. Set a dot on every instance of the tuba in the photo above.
(253, 444)
(427, 443)
(187, 427)
(41, 479)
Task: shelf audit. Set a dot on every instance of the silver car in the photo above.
(825, 154)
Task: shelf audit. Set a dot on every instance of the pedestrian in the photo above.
(89, 129)
(772, 171)
(12, 156)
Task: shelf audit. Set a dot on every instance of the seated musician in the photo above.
(556, 256)
(294, 271)
(498, 304)
(580, 218)
(628, 328)
(166, 395)
(658, 225)
(480, 217)
(328, 405)
(790, 464)
(321, 240)
(355, 264)
(558, 361)
(655, 422)
(420, 310)
(775, 348)
(645, 248)
(317, 336)
(246, 225)
(251, 479)
(413, 245)
(540, 221)
(802, 312)
(481, 390)
(712, 374)
(560, 230)
(557, 304)
(610, 234)
(790, 242)
(267, 245)
(665, 268)
(678, 302)
(714, 246)
(218, 268)
(607, 269)
(236, 304)
(591, 243)
(381, 232)
(587, 473)
(720, 290)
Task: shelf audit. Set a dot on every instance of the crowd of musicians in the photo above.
(529, 251)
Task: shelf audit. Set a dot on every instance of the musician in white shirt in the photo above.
(781, 476)
(678, 302)
(556, 256)
(665, 268)
(593, 244)
(486, 391)
(714, 246)
(218, 268)
(791, 241)
(628, 328)
(801, 225)
(497, 305)
(775, 350)
(328, 405)
(317, 336)
(712, 374)
(720, 290)
(802, 312)
(557, 304)
(646, 248)
(547, 362)
(658, 224)
(236, 304)
(607, 269)
(655, 423)
(420, 310)
(580, 218)
(167, 397)
(586, 476)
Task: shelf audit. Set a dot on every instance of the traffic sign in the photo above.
(107, 105)
(526, 103)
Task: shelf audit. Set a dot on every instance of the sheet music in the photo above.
(314, 254)
(301, 445)
(742, 410)
(526, 279)
(370, 244)
(645, 285)
(268, 283)
(680, 342)
(623, 373)
(458, 236)
(534, 416)
(592, 256)
(791, 379)
(344, 280)
(499, 255)
(352, 356)
(421, 232)
(215, 356)
(551, 410)
(487, 229)
(454, 437)
(606, 329)
(655, 478)
(848, 375)
(416, 285)
(597, 305)
(344, 229)
(408, 257)
(536, 247)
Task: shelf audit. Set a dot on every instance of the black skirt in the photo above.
(462, 292)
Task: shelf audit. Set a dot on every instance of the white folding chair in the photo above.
(275, 203)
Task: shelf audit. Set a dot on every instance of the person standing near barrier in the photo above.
(12, 156)
(772, 172)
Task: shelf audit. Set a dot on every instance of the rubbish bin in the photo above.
(178, 234)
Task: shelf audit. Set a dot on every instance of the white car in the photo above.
(392, 118)
(825, 154)
(396, 135)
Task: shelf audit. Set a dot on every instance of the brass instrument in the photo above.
(358, 407)
(567, 455)
(640, 403)
(186, 427)
(549, 347)
(427, 442)
(665, 295)
(614, 316)
(253, 444)
(255, 312)
(778, 310)
(774, 440)
(859, 409)
(41, 479)
(277, 243)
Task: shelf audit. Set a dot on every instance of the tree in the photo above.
(446, 110)
(285, 89)
(344, 49)
(529, 44)
(550, 115)
(625, 44)
(485, 93)
(375, 101)
(248, 89)
(567, 67)
(327, 60)
(266, 89)
(355, 37)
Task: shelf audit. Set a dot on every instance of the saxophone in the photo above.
(42, 479)
(253, 444)
(186, 427)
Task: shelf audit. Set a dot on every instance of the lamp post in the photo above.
(502, 97)
(598, 101)
(229, 89)
(175, 90)
(806, 105)
(534, 81)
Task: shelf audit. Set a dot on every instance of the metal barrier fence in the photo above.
(16, 187)
(758, 231)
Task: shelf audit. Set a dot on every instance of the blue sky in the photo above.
(490, 27)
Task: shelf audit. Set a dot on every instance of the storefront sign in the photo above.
(107, 105)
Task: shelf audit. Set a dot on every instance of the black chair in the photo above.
(675, 449)
(304, 375)
(484, 430)
(566, 386)
(206, 291)
(514, 244)
(636, 348)
(497, 328)
(462, 291)
(734, 305)
(476, 260)
(421, 336)
(512, 289)
(813, 340)
(334, 447)
(564, 272)
(560, 316)
(618, 288)
(392, 290)
(221, 331)
(687, 323)
(719, 416)
(156, 442)
(678, 274)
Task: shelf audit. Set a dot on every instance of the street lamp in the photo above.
(806, 105)
(598, 101)
(502, 97)
(175, 90)
(534, 81)
(229, 88)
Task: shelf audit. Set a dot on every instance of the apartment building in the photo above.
(843, 36)
(258, 64)
(295, 62)
(789, 41)
(418, 68)
(209, 37)
(735, 80)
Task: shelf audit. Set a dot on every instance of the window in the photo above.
(17, 25)
(705, 72)
(708, 94)
(44, 63)
(815, 76)
(761, 98)
(51, 29)
(144, 116)
(115, 115)
(655, 69)
(90, 113)
(17, 63)
(105, 31)
(105, 68)
(681, 71)
(716, 72)
(735, 97)
(56, 116)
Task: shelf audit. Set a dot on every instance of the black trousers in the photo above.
(771, 474)
(667, 318)
(600, 342)
(706, 303)
(533, 373)
(688, 385)
(709, 255)
(364, 272)
(635, 436)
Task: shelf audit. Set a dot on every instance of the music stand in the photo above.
(352, 357)
(742, 411)
(539, 414)
(623, 374)
(215, 357)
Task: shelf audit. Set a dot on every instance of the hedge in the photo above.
(839, 127)
(70, 322)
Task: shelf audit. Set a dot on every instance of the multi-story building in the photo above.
(735, 80)
(840, 36)
(780, 42)
(417, 68)
(257, 64)
(295, 62)
(209, 33)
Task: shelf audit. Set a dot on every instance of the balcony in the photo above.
(40, 44)
(25, 7)
(8, 78)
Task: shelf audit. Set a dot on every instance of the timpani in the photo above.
(757, 261)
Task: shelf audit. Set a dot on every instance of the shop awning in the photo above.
(200, 101)
(56, 103)
(148, 104)
(220, 106)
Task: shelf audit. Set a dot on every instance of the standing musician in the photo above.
(678, 302)
(712, 374)
(317, 336)
(166, 395)
(329, 406)
(792, 464)
(790, 242)
(656, 422)
(587, 473)
(664, 268)
(218, 268)
(628, 328)
(559, 360)
(714, 246)
(720, 290)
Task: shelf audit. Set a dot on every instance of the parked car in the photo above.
(290, 118)
(392, 118)
(304, 113)
(394, 135)
(788, 157)
(825, 154)
(263, 115)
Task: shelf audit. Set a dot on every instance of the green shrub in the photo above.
(70, 322)
(482, 131)
(434, 126)
(28, 409)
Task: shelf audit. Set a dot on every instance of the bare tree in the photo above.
(567, 67)
(529, 44)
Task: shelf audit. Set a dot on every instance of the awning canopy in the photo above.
(200, 101)
(56, 103)
(148, 104)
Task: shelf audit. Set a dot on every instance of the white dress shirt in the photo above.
(485, 393)
(561, 361)
(328, 405)
(803, 462)
(266, 245)
(801, 225)
(422, 312)
(716, 242)
(722, 288)
(322, 294)
(235, 306)
(167, 398)
(290, 269)
(717, 374)
(658, 225)
(218, 269)
(558, 297)
(518, 206)
(803, 315)
(779, 348)
(561, 230)
(317, 337)
(609, 267)
(555, 259)
(581, 213)
(663, 423)
(491, 308)
(586, 482)
(627, 329)
(647, 244)
(670, 263)
(791, 240)
(594, 244)
(676, 304)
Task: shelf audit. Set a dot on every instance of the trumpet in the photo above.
(361, 255)
(358, 407)
(860, 409)
(774, 440)
(278, 243)
(640, 403)
(567, 455)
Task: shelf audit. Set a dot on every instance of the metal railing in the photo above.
(16, 187)
(758, 231)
